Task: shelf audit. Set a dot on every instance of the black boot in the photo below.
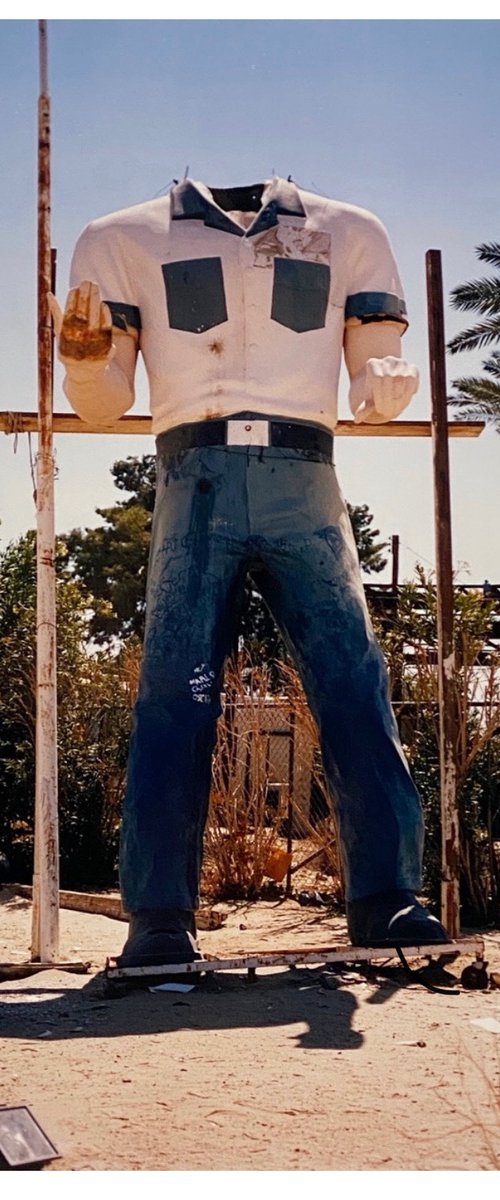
(393, 919)
(158, 937)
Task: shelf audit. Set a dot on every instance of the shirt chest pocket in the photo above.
(196, 299)
(300, 294)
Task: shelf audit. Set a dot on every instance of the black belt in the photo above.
(245, 429)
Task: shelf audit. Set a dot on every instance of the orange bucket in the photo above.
(277, 865)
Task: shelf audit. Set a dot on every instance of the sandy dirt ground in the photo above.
(283, 1074)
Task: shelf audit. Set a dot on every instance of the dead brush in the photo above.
(321, 831)
(242, 829)
(256, 824)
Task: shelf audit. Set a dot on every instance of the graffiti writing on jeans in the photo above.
(201, 683)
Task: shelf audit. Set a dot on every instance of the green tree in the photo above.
(371, 553)
(111, 562)
(479, 395)
(94, 704)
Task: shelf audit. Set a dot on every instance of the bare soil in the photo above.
(282, 1074)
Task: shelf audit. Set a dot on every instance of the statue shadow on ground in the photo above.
(44, 1011)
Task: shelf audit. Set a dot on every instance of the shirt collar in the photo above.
(193, 201)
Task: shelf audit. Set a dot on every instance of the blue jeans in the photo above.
(219, 512)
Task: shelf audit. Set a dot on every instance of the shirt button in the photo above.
(248, 428)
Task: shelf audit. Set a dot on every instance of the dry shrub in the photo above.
(130, 659)
(257, 799)
(320, 828)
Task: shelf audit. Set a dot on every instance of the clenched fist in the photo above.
(382, 389)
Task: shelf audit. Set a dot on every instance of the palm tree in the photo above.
(479, 396)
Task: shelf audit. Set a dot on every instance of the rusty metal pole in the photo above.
(45, 926)
(290, 814)
(448, 724)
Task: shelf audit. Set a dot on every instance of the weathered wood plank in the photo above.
(110, 905)
(27, 422)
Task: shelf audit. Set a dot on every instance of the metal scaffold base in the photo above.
(342, 953)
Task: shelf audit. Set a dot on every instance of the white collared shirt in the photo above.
(233, 318)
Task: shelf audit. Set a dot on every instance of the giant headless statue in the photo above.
(241, 301)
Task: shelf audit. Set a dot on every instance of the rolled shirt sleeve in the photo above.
(374, 290)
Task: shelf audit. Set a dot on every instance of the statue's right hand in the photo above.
(84, 330)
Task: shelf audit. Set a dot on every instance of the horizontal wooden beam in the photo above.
(110, 905)
(22, 970)
(27, 422)
(87, 902)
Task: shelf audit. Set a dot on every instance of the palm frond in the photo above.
(479, 399)
(489, 252)
(479, 335)
(476, 412)
(481, 295)
(476, 388)
(492, 365)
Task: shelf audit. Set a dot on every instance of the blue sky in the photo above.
(400, 117)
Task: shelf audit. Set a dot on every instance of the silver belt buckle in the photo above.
(247, 433)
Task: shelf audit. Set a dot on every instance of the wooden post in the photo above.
(45, 926)
(395, 561)
(450, 831)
